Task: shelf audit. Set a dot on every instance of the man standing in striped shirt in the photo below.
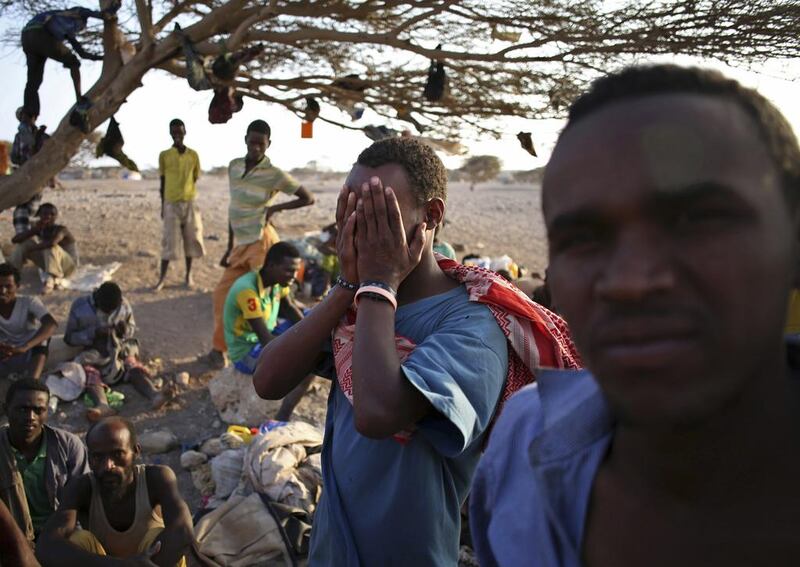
(254, 184)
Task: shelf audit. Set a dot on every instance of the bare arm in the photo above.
(224, 261)
(178, 534)
(261, 331)
(288, 359)
(290, 310)
(304, 198)
(81, 51)
(25, 234)
(161, 192)
(14, 548)
(49, 325)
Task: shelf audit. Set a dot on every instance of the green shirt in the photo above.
(33, 481)
(252, 193)
(249, 299)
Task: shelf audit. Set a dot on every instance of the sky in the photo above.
(144, 118)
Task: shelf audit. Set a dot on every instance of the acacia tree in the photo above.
(479, 169)
(504, 57)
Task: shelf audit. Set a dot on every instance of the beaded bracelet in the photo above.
(380, 284)
(344, 284)
(375, 292)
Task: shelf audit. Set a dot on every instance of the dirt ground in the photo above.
(118, 221)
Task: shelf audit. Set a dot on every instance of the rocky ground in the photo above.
(118, 221)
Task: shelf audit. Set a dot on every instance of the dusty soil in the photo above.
(118, 221)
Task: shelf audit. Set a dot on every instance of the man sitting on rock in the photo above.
(49, 245)
(254, 303)
(100, 330)
(36, 460)
(125, 510)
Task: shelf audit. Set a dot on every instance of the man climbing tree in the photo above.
(43, 38)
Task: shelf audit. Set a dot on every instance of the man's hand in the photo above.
(383, 252)
(345, 234)
(224, 261)
(5, 351)
(12, 350)
(144, 559)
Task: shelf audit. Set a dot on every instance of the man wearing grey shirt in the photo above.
(25, 328)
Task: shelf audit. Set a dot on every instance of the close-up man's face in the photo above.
(394, 176)
(27, 414)
(257, 144)
(112, 458)
(285, 271)
(177, 133)
(671, 253)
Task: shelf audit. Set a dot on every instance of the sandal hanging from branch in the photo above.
(526, 142)
(111, 145)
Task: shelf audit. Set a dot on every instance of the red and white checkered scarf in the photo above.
(537, 337)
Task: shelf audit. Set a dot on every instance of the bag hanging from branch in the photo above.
(505, 35)
(224, 104)
(436, 85)
(111, 145)
(526, 142)
(195, 71)
(312, 109)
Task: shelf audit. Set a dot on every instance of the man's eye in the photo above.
(576, 240)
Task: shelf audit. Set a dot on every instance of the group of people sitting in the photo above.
(99, 336)
(670, 202)
(80, 504)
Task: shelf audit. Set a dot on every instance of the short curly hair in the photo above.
(647, 80)
(426, 173)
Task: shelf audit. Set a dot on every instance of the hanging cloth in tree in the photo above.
(195, 71)
(526, 142)
(225, 102)
(348, 91)
(111, 145)
(227, 65)
(506, 35)
(436, 85)
(312, 109)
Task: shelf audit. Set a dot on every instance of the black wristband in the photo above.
(379, 284)
(343, 283)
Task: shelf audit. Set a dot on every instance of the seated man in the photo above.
(254, 303)
(36, 460)
(125, 510)
(49, 245)
(100, 330)
(671, 204)
(25, 327)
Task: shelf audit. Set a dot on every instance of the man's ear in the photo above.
(434, 213)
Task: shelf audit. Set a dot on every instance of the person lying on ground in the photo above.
(254, 185)
(49, 245)
(14, 548)
(255, 302)
(36, 460)
(179, 167)
(101, 330)
(43, 38)
(419, 366)
(126, 511)
(671, 203)
(25, 328)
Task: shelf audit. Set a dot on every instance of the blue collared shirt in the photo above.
(531, 492)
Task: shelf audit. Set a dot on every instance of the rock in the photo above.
(182, 378)
(212, 447)
(145, 254)
(161, 441)
(193, 459)
(231, 440)
(202, 479)
(236, 400)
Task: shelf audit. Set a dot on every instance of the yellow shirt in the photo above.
(793, 318)
(180, 171)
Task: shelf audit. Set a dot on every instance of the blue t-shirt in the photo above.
(62, 23)
(531, 493)
(384, 503)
